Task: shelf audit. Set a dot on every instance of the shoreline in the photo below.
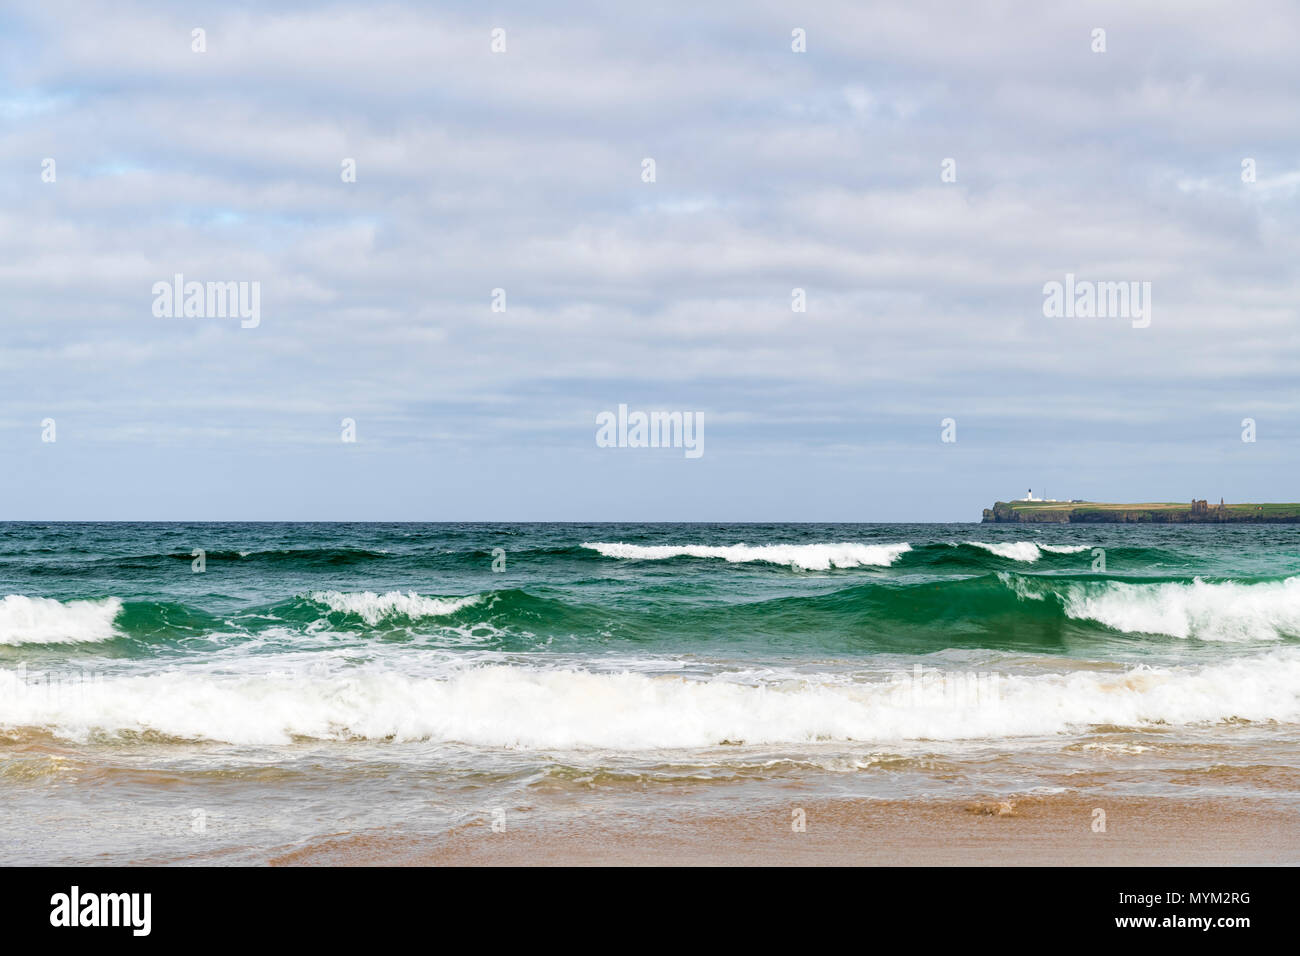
(1031, 830)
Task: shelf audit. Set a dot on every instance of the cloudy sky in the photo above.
(522, 170)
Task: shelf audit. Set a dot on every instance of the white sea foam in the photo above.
(547, 709)
(1027, 551)
(810, 557)
(1225, 611)
(373, 608)
(39, 620)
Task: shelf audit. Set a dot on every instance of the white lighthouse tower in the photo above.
(1029, 496)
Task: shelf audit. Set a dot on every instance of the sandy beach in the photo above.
(1028, 831)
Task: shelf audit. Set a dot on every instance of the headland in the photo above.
(1034, 510)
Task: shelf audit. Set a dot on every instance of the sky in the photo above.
(920, 170)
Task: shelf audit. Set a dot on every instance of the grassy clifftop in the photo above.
(1158, 512)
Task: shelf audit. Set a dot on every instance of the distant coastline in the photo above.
(1036, 511)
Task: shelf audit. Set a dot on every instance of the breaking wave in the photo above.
(534, 708)
(1027, 551)
(373, 608)
(809, 557)
(39, 620)
(1222, 611)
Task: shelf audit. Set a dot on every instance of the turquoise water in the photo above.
(418, 673)
(556, 593)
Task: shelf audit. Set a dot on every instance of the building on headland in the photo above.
(1202, 507)
(1029, 496)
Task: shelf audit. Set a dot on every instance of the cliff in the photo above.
(1099, 512)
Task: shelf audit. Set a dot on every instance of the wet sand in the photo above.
(1031, 830)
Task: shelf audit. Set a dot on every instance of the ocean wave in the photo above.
(1026, 551)
(336, 555)
(533, 708)
(1003, 609)
(39, 620)
(1208, 611)
(809, 557)
(373, 608)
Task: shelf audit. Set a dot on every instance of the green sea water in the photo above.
(412, 675)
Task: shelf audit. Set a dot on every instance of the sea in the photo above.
(229, 693)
